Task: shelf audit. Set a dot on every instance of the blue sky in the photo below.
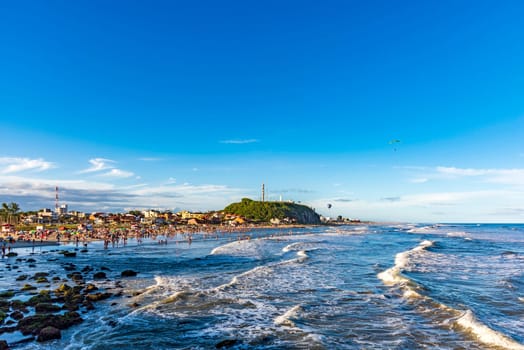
(192, 105)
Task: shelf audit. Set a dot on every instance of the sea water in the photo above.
(347, 287)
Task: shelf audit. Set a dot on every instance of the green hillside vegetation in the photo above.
(265, 211)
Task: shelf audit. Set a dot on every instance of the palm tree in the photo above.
(9, 211)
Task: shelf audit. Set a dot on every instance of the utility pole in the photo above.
(263, 193)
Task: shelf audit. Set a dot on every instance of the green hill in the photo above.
(265, 211)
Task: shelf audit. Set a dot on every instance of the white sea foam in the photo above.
(285, 319)
(393, 275)
(457, 234)
(485, 334)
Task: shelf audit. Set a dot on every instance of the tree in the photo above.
(10, 212)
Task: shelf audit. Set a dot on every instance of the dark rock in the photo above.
(62, 289)
(46, 308)
(32, 265)
(7, 294)
(3, 345)
(48, 333)
(42, 297)
(70, 267)
(98, 296)
(33, 324)
(103, 268)
(27, 287)
(88, 305)
(42, 280)
(17, 315)
(87, 269)
(11, 254)
(3, 316)
(129, 273)
(18, 305)
(90, 288)
(56, 279)
(226, 343)
(99, 275)
(134, 305)
(40, 275)
(31, 260)
(69, 254)
(84, 251)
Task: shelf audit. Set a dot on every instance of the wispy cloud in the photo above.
(98, 164)
(391, 199)
(239, 142)
(419, 180)
(117, 173)
(499, 176)
(13, 165)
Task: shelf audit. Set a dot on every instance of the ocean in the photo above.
(405, 286)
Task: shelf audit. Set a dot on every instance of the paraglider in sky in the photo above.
(394, 142)
(329, 205)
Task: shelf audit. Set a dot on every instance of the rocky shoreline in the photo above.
(52, 301)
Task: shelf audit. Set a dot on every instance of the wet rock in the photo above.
(56, 279)
(90, 288)
(87, 269)
(7, 294)
(31, 260)
(40, 275)
(99, 275)
(34, 324)
(98, 296)
(27, 287)
(42, 280)
(19, 305)
(17, 315)
(46, 308)
(84, 251)
(11, 254)
(70, 254)
(69, 267)
(134, 305)
(62, 289)
(88, 305)
(103, 268)
(3, 316)
(226, 343)
(42, 297)
(3, 345)
(48, 333)
(129, 273)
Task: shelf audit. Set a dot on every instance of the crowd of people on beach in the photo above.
(114, 237)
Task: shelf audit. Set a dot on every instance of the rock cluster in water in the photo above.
(41, 311)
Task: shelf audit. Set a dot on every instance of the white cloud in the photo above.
(14, 165)
(499, 176)
(117, 173)
(419, 180)
(99, 164)
(239, 142)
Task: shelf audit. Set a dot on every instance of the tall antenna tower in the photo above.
(263, 193)
(56, 199)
